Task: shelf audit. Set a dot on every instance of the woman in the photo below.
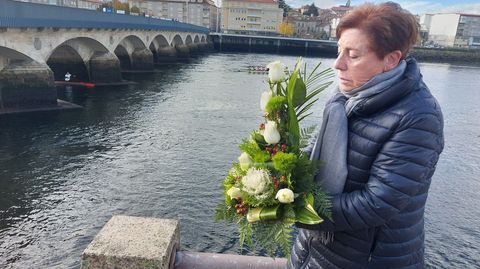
(380, 140)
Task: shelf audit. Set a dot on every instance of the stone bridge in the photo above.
(40, 43)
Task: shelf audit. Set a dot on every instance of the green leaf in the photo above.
(307, 214)
(299, 93)
(293, 126)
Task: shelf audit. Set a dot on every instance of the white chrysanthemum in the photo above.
(256, 181)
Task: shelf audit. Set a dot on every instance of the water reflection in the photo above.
(161, 148)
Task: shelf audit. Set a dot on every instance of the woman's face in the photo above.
(356, 62)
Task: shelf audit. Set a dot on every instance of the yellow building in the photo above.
(251, 17)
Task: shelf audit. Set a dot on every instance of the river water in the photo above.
(162, 147)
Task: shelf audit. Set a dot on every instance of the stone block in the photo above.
(133, 242)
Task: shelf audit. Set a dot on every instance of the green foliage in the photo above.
(225, 212)
(284, 162)
(293, 126)
(323, 204)
(300, 92)
(246, 234)
(250, 147)
(135, 9)
(304, 212)
(294, 98)
(276, 103)
(275, 237)
(306, 134)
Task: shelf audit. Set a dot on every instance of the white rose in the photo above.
(255, 182)
(245, 161)
(234, 193)
(271, 134)
(266, 96)
(276, 71)
(285, 196)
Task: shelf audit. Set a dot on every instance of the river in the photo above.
(162, 147)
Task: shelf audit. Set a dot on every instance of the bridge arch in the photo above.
(188, 40)
(126, 50)
(196, 39)
(203, 40)
(86, 59)
(177, 40)
(10, 56)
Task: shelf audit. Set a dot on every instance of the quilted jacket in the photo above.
(394, 143)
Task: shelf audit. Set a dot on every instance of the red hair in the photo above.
(389, 27)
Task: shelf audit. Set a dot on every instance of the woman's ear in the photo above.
(391, 60)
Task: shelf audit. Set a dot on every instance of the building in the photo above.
(452, 30)
(260, 17)
(86, 4)
(198, 12)
(309, 26)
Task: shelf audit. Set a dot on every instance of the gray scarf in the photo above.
(332, 142)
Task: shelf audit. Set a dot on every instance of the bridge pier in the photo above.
(104, 68)
(142, 59)
(183, 52)
(166, 55)
(27, 85)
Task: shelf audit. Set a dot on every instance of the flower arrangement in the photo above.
(272, 185)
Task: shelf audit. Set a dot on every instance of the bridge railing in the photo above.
(15, 14)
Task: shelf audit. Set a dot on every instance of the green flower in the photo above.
(284, 162)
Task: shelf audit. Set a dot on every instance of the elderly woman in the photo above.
(380, 140)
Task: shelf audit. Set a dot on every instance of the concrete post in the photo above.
(137, 243)
(133, 242)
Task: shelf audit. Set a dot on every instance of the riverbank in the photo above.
(447, 55)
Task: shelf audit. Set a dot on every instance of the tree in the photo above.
(311, 11)
(286, 29)
(284, 6)
(135, 9)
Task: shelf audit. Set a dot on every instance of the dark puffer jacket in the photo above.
(378, 221)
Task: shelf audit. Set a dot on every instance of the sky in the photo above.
(415, 7)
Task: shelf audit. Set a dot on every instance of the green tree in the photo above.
(311, 11)
(135, 9)
(284, 6)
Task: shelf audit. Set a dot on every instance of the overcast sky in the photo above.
(416, 7)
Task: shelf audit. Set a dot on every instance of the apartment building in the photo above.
(198, 12)
(261, 17)
(452, 29)
(86, 4)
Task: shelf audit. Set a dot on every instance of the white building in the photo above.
(453, 29)
(86, 4)
(198, 12)
(251, 16)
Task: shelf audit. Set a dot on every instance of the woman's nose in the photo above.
(339, 62)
